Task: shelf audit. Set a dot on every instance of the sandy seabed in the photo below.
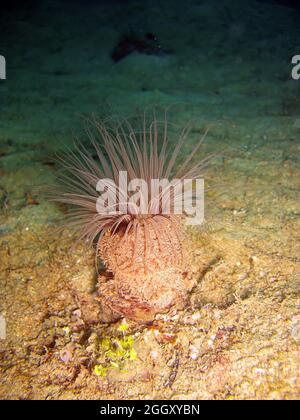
(239, 336)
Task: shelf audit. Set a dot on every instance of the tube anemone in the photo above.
(138, 233)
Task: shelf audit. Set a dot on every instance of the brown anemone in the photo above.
(144, 250)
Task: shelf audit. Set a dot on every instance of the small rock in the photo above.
(65, 355)
(2, 327)
(295, 330)
(85, 281)
(89, 308)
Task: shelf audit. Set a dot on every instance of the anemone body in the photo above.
(143, 250)
(148, 269)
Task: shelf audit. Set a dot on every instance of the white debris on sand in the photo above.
(2, 327)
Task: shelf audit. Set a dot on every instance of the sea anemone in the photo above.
(140, 237)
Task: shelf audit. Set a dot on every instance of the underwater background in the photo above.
(219, 63)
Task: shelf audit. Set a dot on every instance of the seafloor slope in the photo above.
(230, 66)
